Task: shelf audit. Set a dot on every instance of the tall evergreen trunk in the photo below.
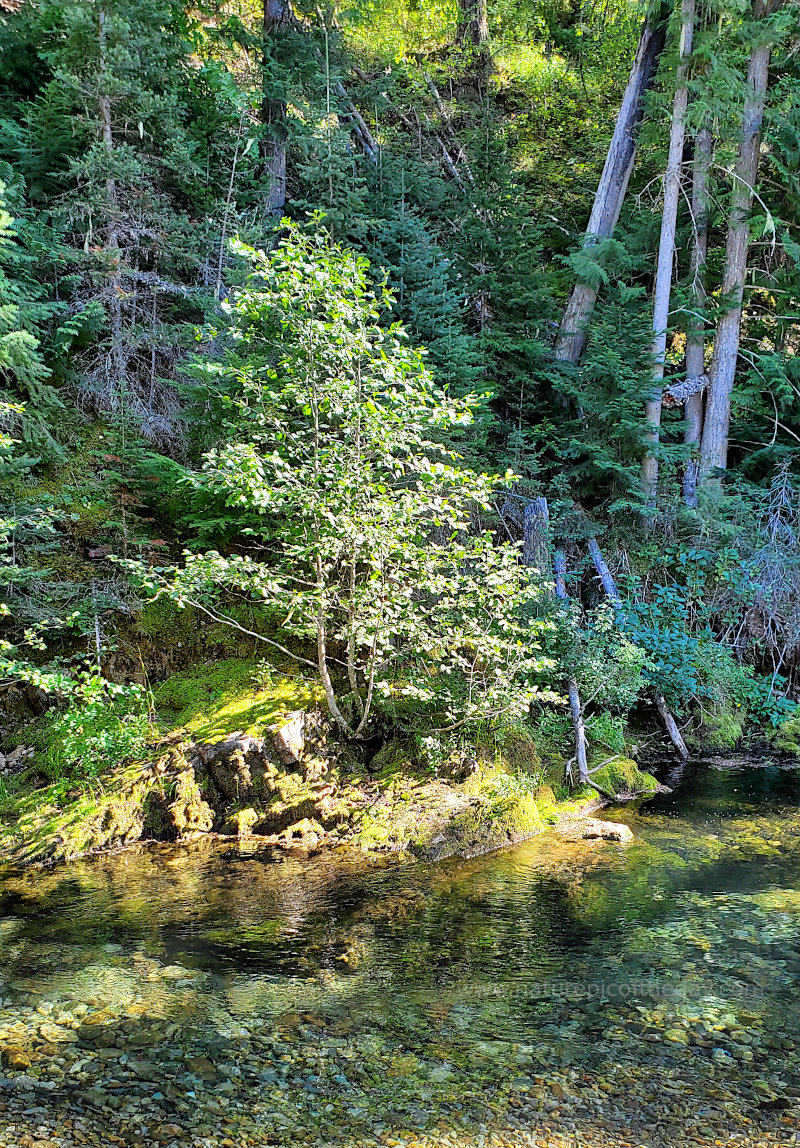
(695, 335)
(613, 182)
(277, 18)
(666, 252)
(118, 356)
(473, 26)
(714, 446)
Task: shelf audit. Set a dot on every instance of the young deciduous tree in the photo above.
(363, 529)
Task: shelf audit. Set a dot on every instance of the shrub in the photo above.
(101, 724)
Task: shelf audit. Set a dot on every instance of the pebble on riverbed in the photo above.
(126, 1049)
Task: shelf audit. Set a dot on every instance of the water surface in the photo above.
(591, 994)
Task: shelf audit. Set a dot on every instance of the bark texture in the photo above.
(613, 182)
(695, 335)
(277, 19)
(473, 27)
(662, 290)
(714, 448)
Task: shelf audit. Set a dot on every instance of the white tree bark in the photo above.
(695, 337)
(613, 182)
(662, 290)
(714, 447)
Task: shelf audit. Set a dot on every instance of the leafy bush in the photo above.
(101, 724)
(331, 463)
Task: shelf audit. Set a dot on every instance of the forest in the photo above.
(438, 362)
(399, 466)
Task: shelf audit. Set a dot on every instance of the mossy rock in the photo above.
(484, 827)
(212, 702)
(520, 753)
(721, 729)
(190, 813)
(786, 738)
(623, 778)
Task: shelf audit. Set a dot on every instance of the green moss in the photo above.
(59, 821)
(786, 738)
(162, 620)
(623, 777)
(520, 752)
(720, 729)
(491, 824)
(212, 702)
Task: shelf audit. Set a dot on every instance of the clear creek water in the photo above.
(591, 994)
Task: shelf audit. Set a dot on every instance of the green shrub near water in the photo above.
(100, 725)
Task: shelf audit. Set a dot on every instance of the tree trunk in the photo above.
(473, 27)
(662, 290)
(613, 182)
(575, 707)
(695, 336)
(714, 448)
(536, 543)
(277, 18)
(118, 356)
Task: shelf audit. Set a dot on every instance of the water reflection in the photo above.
(573, 987)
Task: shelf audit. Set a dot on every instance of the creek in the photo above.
(553, 994)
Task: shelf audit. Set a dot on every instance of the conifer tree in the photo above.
(722, 371)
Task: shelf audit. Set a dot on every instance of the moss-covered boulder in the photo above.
(786, 738)
(487, 824)
(190, 813)
(623, 779)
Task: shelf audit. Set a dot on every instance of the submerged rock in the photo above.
(608, 830)
(594, 830)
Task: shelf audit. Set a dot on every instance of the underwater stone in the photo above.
(608, 830)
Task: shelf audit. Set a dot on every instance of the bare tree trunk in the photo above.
(118, 358)
(277, 18)
(695, 336)
(612, 593)
(613, 182)
(575, 707)
(536, 542)
(714, 448)
(662, 290)
(473, 27)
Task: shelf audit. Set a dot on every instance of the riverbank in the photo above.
(233, 754)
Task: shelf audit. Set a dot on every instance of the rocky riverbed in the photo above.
(554, 994)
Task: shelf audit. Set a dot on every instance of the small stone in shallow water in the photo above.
(55, 1034)
(14, 1057)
